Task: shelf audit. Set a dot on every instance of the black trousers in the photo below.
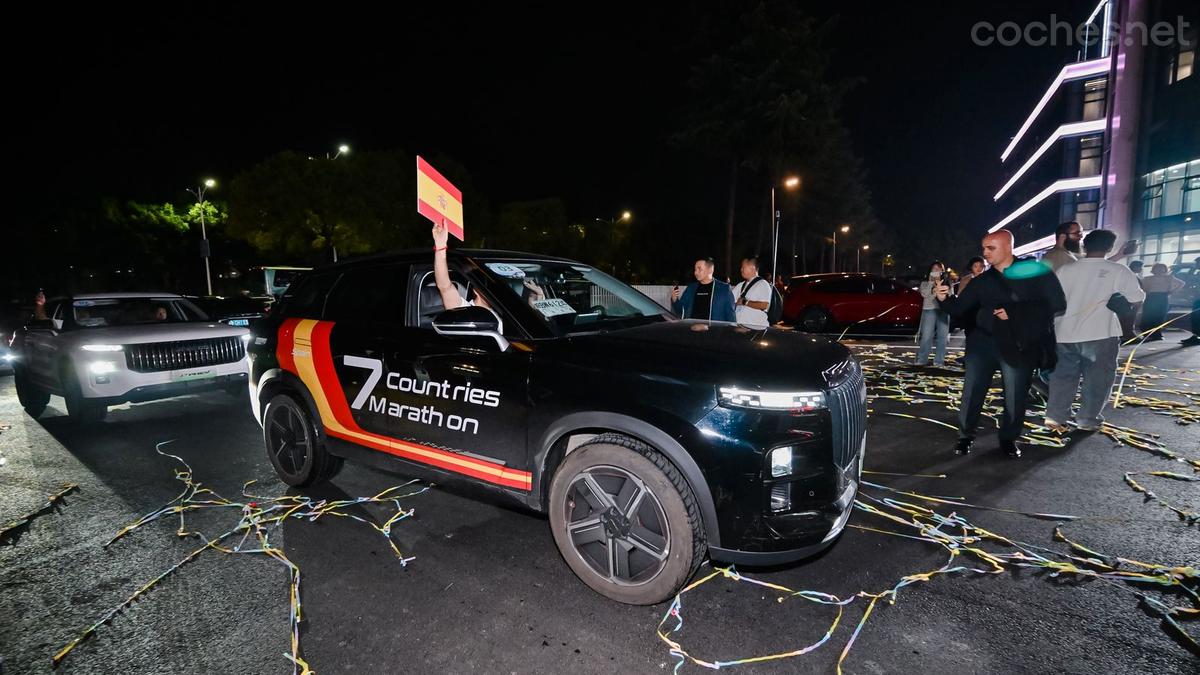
(982, 361)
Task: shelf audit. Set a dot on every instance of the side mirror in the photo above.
(42, 324)
(478, 321)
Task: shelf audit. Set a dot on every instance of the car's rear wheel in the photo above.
(294, 446)
(625, 520)
(32, 397)
(80, 409)
(816, 320)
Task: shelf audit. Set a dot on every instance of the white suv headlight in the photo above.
(795, 401)
(102, 348)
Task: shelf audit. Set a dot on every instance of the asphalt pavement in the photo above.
(487, 592)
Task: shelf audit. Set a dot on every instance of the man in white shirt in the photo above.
(752, 296)
(1088, 333)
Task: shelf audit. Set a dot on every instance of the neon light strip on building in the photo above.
(1043, 243)
(1065, 131)
(1064, 185)
(1071, 72)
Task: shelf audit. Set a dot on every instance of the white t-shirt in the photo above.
(1088, 283)
(760, 291)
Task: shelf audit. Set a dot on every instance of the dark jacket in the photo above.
(1031, 295)
(722, 302)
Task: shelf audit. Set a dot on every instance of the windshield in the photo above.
(575, 298)
(104, 312)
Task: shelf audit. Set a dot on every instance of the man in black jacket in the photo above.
(1014, 304)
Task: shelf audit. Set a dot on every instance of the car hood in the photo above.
(703, 353)
(144, 333)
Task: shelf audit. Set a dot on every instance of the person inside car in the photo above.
(451, 297)
(160, 313)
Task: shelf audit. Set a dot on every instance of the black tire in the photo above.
(32, 397)
(81, 410)
(294, 444)
(656, 530)
(815, 320)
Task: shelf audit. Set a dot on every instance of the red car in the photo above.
(823, 303)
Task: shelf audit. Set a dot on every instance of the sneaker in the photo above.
(1055, 426)
(1191, 342)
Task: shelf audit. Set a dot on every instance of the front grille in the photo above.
(848, 412)
(159, 356)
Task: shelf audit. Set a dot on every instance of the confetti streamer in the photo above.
(10, 529)
(257, 519)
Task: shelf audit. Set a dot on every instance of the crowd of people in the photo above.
(1062, 318)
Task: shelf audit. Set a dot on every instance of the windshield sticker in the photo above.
(83, 303)
(552, 307)
(505, 270)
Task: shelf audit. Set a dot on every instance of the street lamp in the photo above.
(790, 183)
(341, 150)
(612, 226)
(199, 192)
(833, 263)
(858, 258)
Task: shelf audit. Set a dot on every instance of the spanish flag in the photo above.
(438, 199)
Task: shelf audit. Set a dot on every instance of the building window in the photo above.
(1171, 191)
(1152, 202)
(1093, 98)
(1181, 63)
(1085, 215)
(1089, 155)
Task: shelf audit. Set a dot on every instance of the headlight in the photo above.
(102, 367)
(102, 348)
(795, 401)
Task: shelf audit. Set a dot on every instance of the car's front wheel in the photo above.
(625, 520)
(293, 444)
(80, 409)
(816, 320)
(32, 397)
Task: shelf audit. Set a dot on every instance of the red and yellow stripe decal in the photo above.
(303, 350)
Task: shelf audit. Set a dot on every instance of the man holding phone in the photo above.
(1014, 304)
(706, 298)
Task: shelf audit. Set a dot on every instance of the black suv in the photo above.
(648, 440)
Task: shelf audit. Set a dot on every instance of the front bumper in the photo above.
(767, 519)
(795, 536)
(124, 385)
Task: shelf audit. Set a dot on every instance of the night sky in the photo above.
(560, 99)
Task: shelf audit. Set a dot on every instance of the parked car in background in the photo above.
(103, 349)
(823, 303)
(234, 310)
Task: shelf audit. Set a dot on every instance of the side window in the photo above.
(884, 287)
(306, 298)
(428, 298)
(844, 285)
(57, 314)
(370, 293)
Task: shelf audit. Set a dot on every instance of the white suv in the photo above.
(103, 349)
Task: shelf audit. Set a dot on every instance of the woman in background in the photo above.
(1158, 286)
(935, 322)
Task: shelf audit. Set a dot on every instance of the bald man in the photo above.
(1014, 304)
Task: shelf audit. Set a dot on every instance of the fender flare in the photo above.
(645, 432)
(280, 379)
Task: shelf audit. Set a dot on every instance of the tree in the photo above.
(297, 208)
(765, 102)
